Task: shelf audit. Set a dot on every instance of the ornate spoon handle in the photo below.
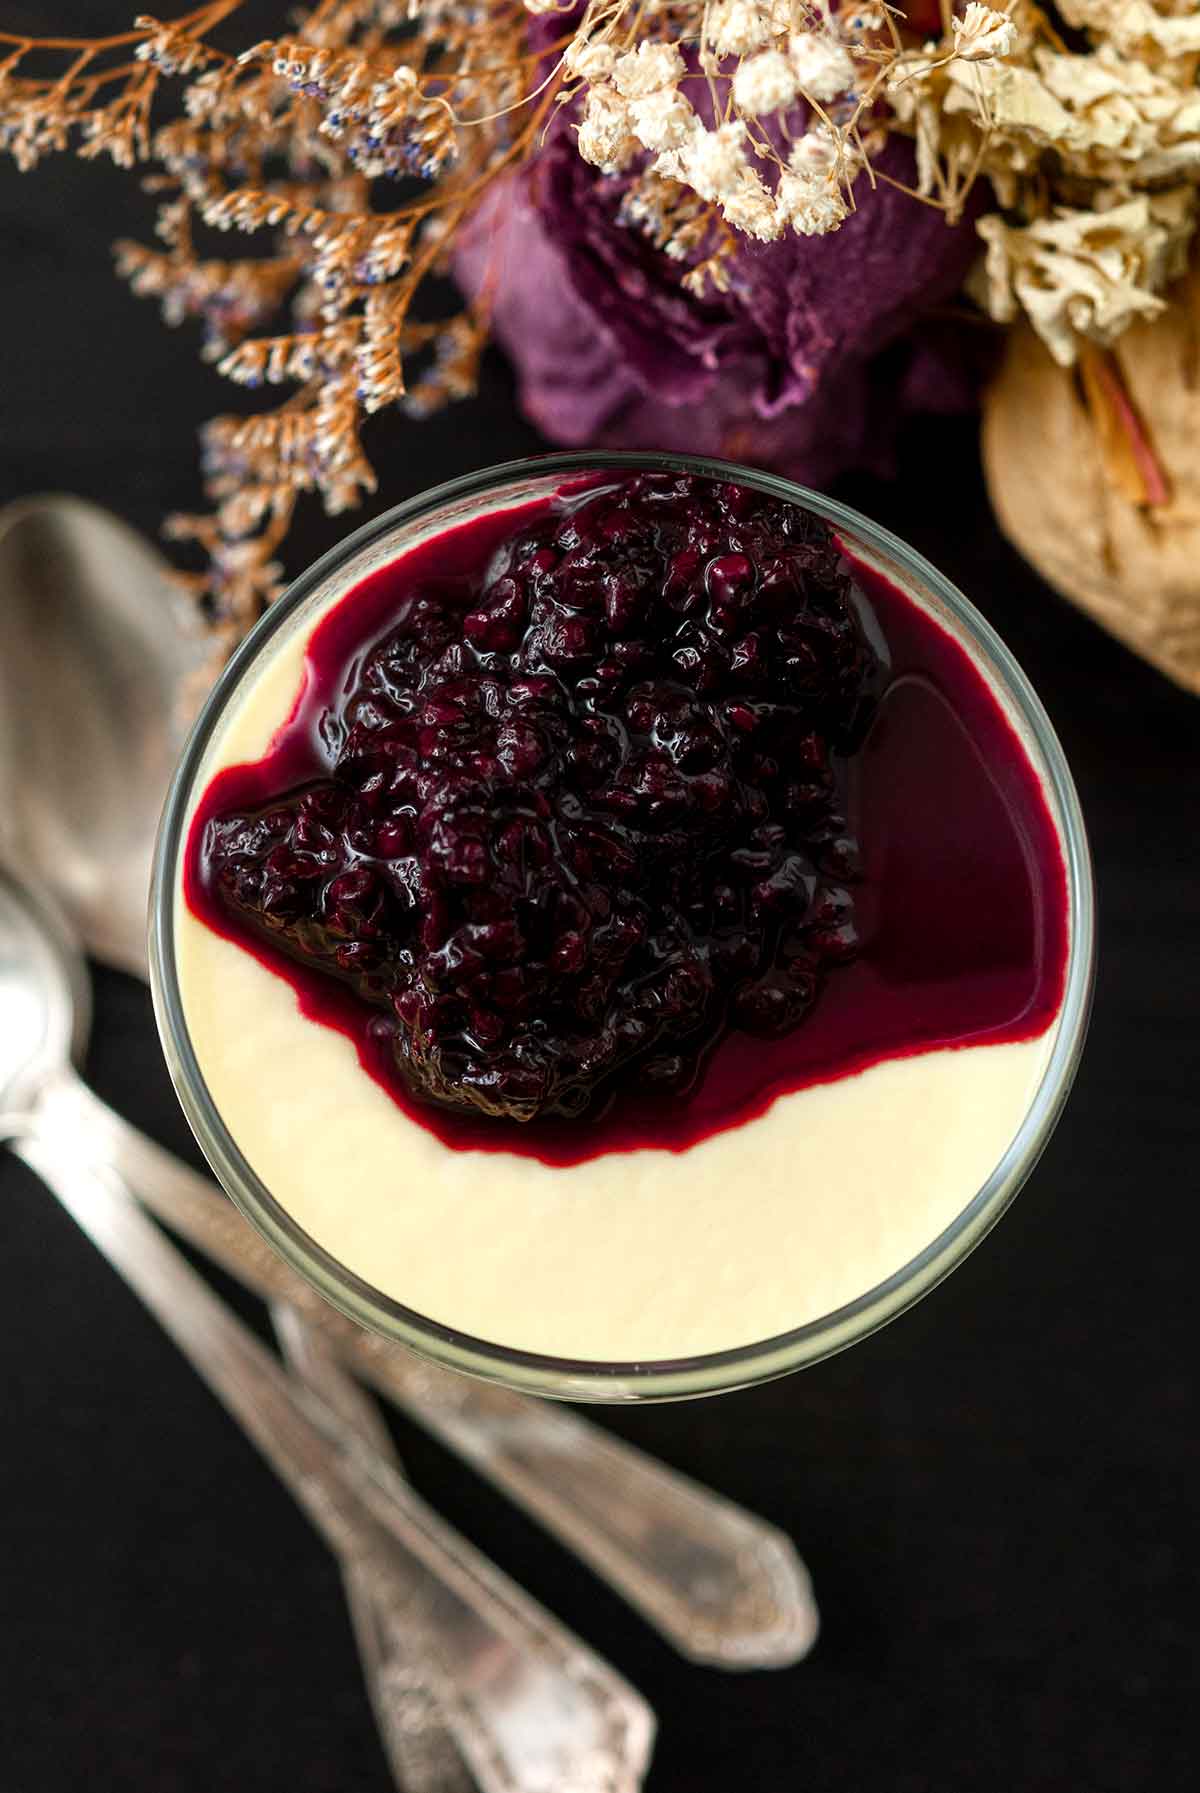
(532, 1709)
(723, 1586)
(418, 1742)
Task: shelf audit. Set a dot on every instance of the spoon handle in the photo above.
(723, 1586)
(417, 1740)
(531, 1707)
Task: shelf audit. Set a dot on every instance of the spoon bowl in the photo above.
(96, 646)
(43, 996)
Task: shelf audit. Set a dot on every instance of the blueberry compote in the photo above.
(624, 812)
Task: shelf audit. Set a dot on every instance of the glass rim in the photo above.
(583, 1379)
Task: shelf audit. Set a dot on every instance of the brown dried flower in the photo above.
(282, 143)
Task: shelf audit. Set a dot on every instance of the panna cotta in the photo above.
(623, 926)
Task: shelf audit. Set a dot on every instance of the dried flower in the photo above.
(587, 61)
(764, 83)
(713, 162)
(983, 33)
(172, 50)
(1088, 273)
(821, 65)
(605, 137)
(1079, 145)
(737, 27)
(663, 120)
(284, 141)
(709, 133)
(810, 192)
(648, 69)
(802, 359)
(1094, 474)
(1139, 27)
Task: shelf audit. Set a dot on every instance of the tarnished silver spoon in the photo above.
(97, 649)
(531, 1708)
(95, 646)
(723, 1586)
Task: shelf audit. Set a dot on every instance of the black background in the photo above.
(997, 1496)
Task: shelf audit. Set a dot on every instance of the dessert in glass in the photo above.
(622, 926)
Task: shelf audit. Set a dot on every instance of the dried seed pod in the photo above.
(1094, 474)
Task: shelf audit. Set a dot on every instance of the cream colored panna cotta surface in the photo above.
(641, 1255)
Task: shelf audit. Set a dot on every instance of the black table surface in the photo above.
(997, 1495)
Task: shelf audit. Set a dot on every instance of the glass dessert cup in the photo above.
(383, 541)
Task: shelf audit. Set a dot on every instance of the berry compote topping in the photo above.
(555, 825)
(579, 814)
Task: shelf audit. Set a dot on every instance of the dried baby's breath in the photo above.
(764, 83)
(822, 66)
(727, 138)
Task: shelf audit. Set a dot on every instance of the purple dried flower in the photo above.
(806, 364)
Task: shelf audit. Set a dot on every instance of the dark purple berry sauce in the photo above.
(601, 822)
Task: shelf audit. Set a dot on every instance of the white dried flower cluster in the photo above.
(812, 190)
(662, 121)
(822, 66)
(768, 56)
(585, 60)
(764, 83)
(1110, 133)
(606, 138)
(647, 70)
(718, 164)
(1155, 32)
(807, 37)
(1114, 117)
(738, 27)
(1088, 274)
(983, 33)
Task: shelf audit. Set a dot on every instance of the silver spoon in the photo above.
(532, 1709)
(723, 1586)
(87, 723)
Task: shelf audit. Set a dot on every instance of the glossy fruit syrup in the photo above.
(601, 823)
